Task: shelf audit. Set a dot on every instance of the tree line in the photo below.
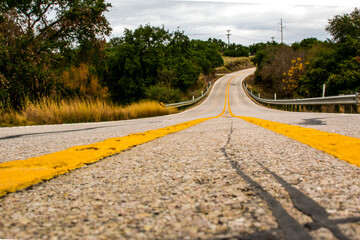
(56, 49)
(301, 69)
(151, 62)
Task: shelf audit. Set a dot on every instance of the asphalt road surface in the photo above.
(224, 178)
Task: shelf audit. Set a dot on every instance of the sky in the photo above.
(249, 21)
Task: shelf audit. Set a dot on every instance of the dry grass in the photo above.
(75, 111)
(232, 64)
(228, 60)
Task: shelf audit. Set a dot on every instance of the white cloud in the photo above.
(249, 21)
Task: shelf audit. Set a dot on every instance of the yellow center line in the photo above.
(19, 174)
(343, 147)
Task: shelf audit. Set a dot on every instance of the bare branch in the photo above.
(41, 15)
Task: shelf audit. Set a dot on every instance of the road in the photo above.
(224, 178)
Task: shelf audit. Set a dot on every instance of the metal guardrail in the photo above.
(343, 99)
(190, 102)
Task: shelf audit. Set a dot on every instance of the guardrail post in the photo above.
(358, 102)
(275, 96)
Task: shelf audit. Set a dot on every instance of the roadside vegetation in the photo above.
(300, 70)
(232, 64)
(57, 67)
(48, 111)
(54, 53)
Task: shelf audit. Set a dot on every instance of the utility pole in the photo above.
(282, 30)
(228, 37)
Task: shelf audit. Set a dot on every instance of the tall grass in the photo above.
(49, 111)
(232, 64)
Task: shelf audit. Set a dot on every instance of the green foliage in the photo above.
(163, 94)
(58, 22)
(322, 63)
(306, 43)
(262, 52)
(206, 55)
(150, 56)
(36, 40)
(221, 45)
(335, 64)
(254, 48)
(236, 50)
(344, 26)
(346, 79)
(273, 62)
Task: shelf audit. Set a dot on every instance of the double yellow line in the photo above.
(16, 175)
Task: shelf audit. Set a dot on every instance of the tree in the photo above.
(206, 55)
(333, 64)
(254, 48)
(59, 22)
(220, 43)
(236, 50)
(346, 79)
(278, 69)
(151, 59)
(343, 26)
(35, 34)
(306, 43)
(314, 63)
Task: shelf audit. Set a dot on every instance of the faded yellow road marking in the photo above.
(15, 175)
(343, 147)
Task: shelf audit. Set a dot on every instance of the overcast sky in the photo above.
(250, 21)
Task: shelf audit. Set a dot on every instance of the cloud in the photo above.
(249, 22)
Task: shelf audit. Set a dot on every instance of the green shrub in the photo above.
(163, 94)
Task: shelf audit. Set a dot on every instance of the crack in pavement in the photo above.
(315, 225)
(287, 224)
(308, 206)
(67, 131)
(253, 236)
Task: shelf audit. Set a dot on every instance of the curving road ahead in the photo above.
(224, 178)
